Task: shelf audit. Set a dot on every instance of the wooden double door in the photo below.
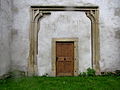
(64, 58)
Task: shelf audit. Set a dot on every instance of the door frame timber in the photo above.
(38, 12)
(75, 41)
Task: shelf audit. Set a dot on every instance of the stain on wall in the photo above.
(14, 34)
(117, 12)
(117, 33)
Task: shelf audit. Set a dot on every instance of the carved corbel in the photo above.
(91, 15)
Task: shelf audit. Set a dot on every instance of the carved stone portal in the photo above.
(38, 12)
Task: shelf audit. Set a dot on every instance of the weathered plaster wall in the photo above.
(5, 35)
(109, 32)
(64, 25)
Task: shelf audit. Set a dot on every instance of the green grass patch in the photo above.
(62, 83)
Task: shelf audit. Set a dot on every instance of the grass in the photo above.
(62, 83)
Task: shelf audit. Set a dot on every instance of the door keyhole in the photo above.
(64, 58)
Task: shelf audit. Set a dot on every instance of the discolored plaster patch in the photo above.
(0, 4)
(14, 32)
(117, 33)
(15, 9)
(117, 12)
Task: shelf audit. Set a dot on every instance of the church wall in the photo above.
(109, 22)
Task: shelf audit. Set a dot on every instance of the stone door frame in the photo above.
(38, 12)
(76, 62)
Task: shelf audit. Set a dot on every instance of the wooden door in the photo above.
(65, 58)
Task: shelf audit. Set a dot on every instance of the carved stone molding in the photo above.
(38, 12)
(32, 62)
(93, 16)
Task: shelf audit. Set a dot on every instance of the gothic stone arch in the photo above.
(37, 12)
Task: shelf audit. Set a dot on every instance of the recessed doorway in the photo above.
(65, 57)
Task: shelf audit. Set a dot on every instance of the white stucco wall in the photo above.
(5, 35)
(64, 25)
(109, 33)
